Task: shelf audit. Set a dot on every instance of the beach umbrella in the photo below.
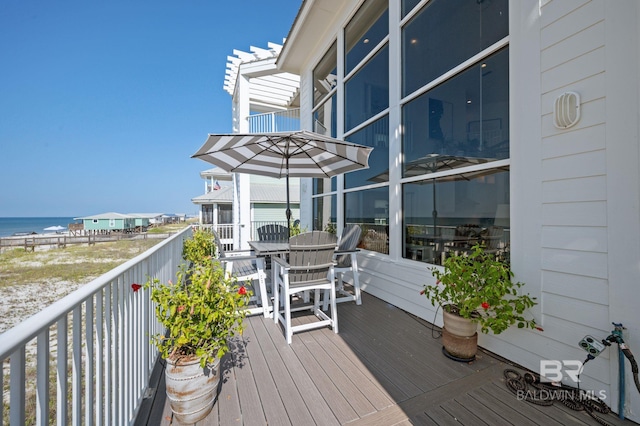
(284, 154)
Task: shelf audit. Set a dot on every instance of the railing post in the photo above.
(42, 379)
(17, 394)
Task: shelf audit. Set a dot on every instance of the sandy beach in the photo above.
(24, 299)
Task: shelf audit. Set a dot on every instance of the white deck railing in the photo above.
(279, 121)
(104, 327)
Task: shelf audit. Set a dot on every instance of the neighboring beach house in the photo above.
(264, 99)
(520, 116)
(108, 222)
(267, 199)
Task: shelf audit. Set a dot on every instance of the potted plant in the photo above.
(200, 312)
(476, 288)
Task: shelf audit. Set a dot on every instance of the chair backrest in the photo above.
(493, 237)
(273, 232)
(348, 242)
(311, 256)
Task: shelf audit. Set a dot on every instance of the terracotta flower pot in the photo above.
(459, 337)
(191, 389)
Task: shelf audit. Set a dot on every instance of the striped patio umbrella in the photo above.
(284, 154)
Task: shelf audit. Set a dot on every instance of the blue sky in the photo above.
(103, 103)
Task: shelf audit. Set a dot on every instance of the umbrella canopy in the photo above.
(284, 154)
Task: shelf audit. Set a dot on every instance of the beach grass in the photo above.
(73, 263)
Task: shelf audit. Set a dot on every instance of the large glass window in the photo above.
(324, 213)
(370, 209)
(325, 78)
(325, 75)
(368, 27)
(461, 122)
(375, 135)
(450, 215)
(458, 128)
(367, 92)
(445, 34)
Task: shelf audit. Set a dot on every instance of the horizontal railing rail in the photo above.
(87, 358)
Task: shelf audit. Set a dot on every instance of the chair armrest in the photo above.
(347, 251)
(237, 258)
(235, 253)
(280, 261)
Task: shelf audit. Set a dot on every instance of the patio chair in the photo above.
(491, 238)
(310, 267)
(347, 261)
(246, 267)
(273, 232)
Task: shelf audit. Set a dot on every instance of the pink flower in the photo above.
(136, 287)
(180, 308)
(485, 305)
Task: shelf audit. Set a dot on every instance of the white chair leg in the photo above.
(334, 307)
(356, 280)
(287, 316)
(276, 298)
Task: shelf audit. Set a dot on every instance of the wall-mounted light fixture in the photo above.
(566, 111)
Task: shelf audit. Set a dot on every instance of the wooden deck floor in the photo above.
(383, 368)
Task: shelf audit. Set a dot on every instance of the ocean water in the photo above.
(11, 225)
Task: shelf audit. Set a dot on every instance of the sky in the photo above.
(102, 103)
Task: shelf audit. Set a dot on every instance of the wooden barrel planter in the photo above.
(191, 389)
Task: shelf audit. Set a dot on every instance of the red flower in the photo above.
(437, 282)
(422, 292)
(485, 305)
(136, 287)
(242, 291)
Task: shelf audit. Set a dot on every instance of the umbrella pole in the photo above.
(288, 212)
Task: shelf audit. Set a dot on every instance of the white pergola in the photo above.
(268, 89)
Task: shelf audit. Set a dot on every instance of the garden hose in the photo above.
(528, 387)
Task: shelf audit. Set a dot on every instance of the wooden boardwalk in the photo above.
(384, 368)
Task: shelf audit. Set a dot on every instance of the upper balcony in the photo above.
(278, 121)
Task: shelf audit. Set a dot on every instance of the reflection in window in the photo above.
(375, 135)
(325, 75)
(370, 210)
(461, 122)
(324, 213)
(366, 29)
(367, 92)
(324, 118)
(408, 5)
(320, 186)
(450, 32)
(451, 214)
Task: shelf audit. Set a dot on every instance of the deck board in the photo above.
(383, 368)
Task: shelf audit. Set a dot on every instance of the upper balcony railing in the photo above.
(278, 121)
(87, 358)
